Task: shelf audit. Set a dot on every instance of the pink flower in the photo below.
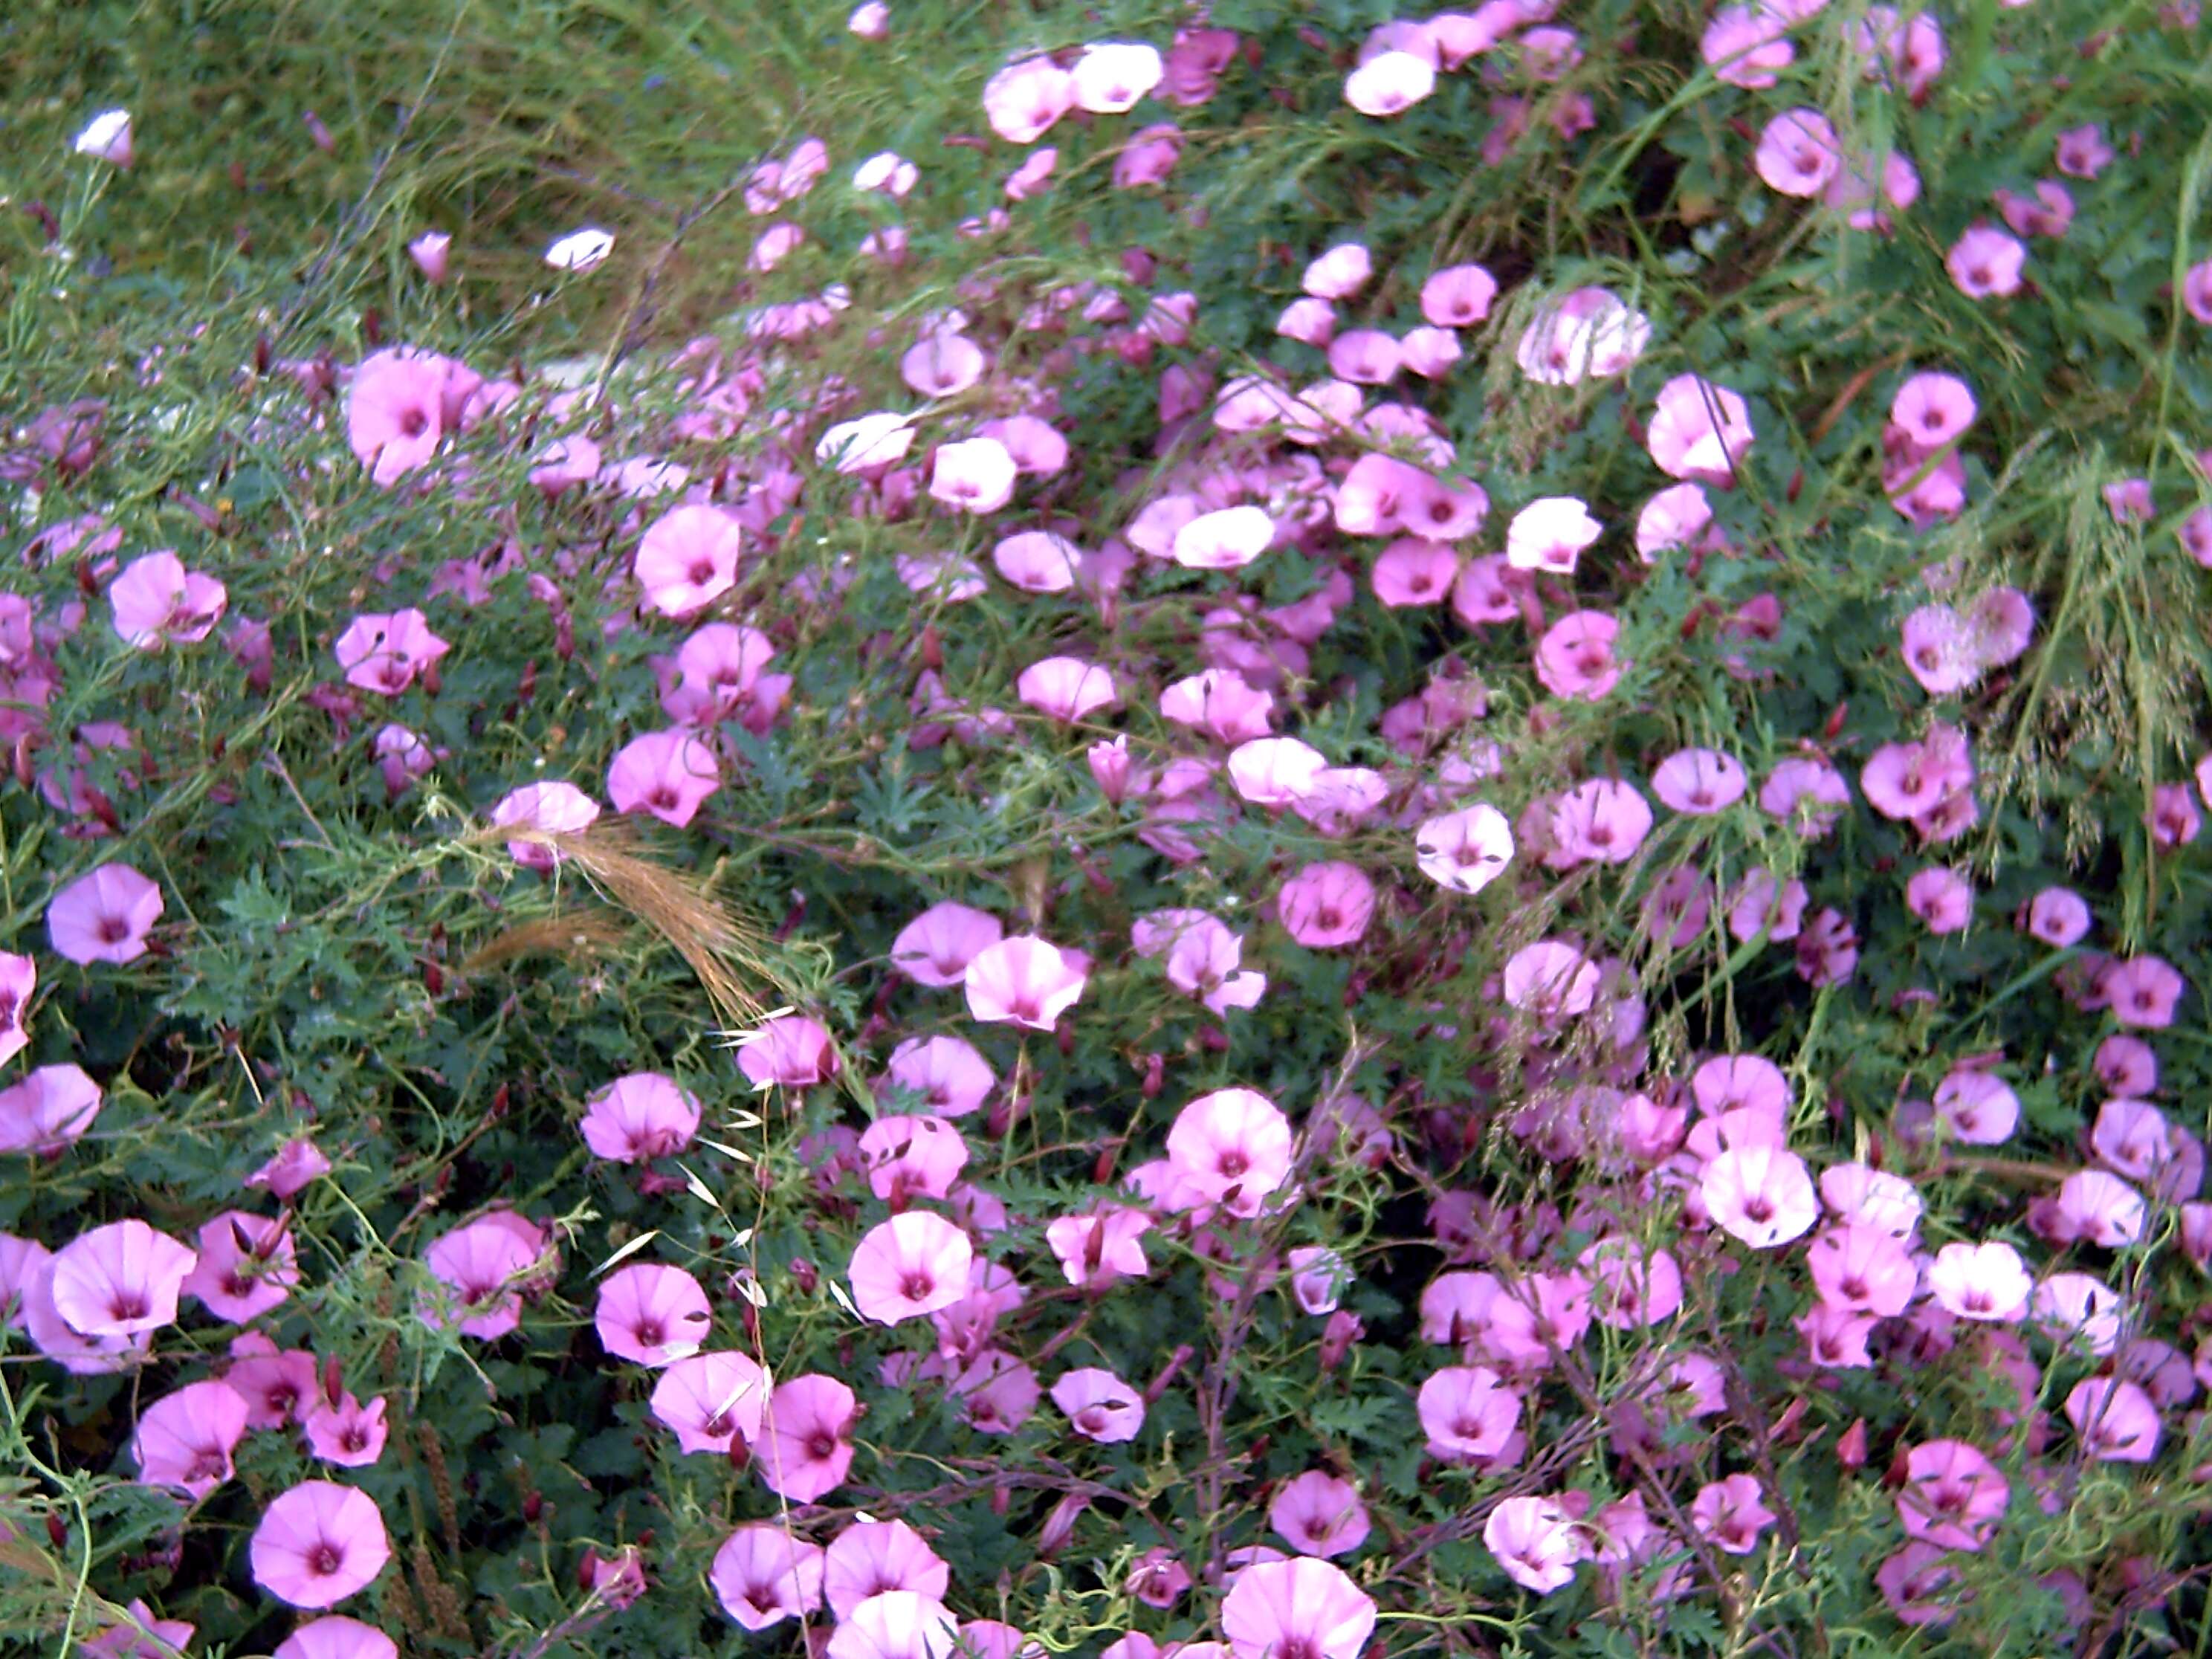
(2097, 1205)
(791, 1050)
(1102, 1245)
(1469, 1414)
(429, 251)
(1700, 431)
(976, 476)
(1912, 1579)
(318, 1544)
(1339, 273)
(185, 1439)
(1225, 540)
(385, 653)
(106, 137)
(640, 1117)
(2144, 991)
(1458, 296)
(344, 1431)
(997, 1392)
(2196, 291)
(2117, 1421)
(47, 1110)
(946, 363)
(1934, 408)
(104, 916)
(1550, 534)
(1986, 261)
(276, 1387)
(1760, 1194)
(1700, 781)
(1747, 45)
(1952, 1496)
(1233, 1145)
(668, 774)
(1863, 1267)
(910, 1265)
(337, 1637)
(896, 1625)
(1326, 905)
(1731, 1513)
(1038, 562)
(1024, 981)
(1300, 1609)
(652, 1314)
(556, 807)
(1389, 83)
(1465, 850)
(2082, 152)
(807, 1449)
(2133, 1137)
(936, 947)
(1066, 689)
(395, 411)
(1149, 156)
(713, 1401)
(1586, 333)
(480, 1264)
(245, 1266)
(911, 1155)
(1981, 1281)
(1574, 657)
(157, 601)
(1601, 820)
(763, 1575)
(1797, 153)
(1319, 1514)
(1551, 980)
(1112, 76)
(688, 558)
(1534, 1539)
(1025, 99)
(19, 977)
(1099, 1405)
(1632, 1286)
(951, 1076)
(871, 1557)
(1942, 898)
(119, 1281)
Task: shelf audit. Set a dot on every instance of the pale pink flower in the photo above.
(106, 137)
(911, 1265)
(652, 1314)
(19, 977)
(1700, 781)
(1389, 83)
(1952, 1496)
(668, 774)
(763, 1574)
(870, 1558)
(1099, 1405)
(104, 916)
(1863, 1267)
(688, 558)
(1586, 333)
(119, 1281)
(1339, 273)
(1097, 1248)
(896, 1625)
(1760, 1194)
(1984, 1281)
(1274, 771)
(1574, 656)
(1534, 1540)
(1298, 1609)
(1319, 1514)
(1465, 850)
(1024, 980)
(907, 1156)
(386, 653)
(581, 250)
(976, 475)
(1747, 46)
(1224, 540)
(429, 251)
(49, 1109)
(945, 362)
(1700, 431)
(1233, 1145)
(319, 1543)
(185, 1439)
(1112, 76)
(2097, 1205)
(936, 947)
(2116, 1419)
(1986, 261)
(713, 1401)
(1797, 153)
(1550, 534)
(1066, 689)
(336, 1637)
(790, 1050)
(556, 807)
(1469, 1414)
(949, 1073)
(395, 407)
(1551, 980)
(156, 600)
(639, 1117)
(1025, 99)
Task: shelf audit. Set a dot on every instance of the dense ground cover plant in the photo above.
(1273, 833)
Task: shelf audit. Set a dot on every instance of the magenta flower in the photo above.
(119, 1281)
(668, 774)
(2117, 1420)
(1797, 154)
(1024, 981)
(763, 1575)
(1298, 1609)
(1731, 1513)
(807, 1449)
(2143, 990)
(1326, 905)
(185, 1438)
(870, 1558)
(1535, 1542)
(1760, 1194)
(896, 1625)
(640, 1117)
(1912, 1579)
(1574, 656)
(104, 916)
(652, 1314)
(140, 1635)
(337, 1637)
(1862, 1267)
(275, 1386)
(246, 1266)
(1469, 1414)
(910, 1265)
(395, 412)
(1952, 1496)
(385, 653)
(318, 1544)
(1319, 1514)
(47, 1110)
(1099, 1405)
(688, 558)
(157, 601)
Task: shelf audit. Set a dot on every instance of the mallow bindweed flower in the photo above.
(157, 601)
(1465, 850)
(581, 250)
(1233, 1146)
(1299, 1609)
(336, 1637)
(106, 137)
(318, 1544)
(805, 1448)
(639, 1117)
(1024, 981)
(913, 1264)
(105, 916)
(652, 1314)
